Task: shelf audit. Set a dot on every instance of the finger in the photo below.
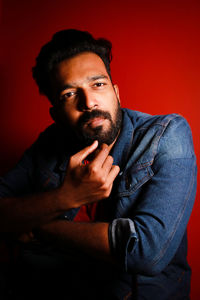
(107, 165)
(81, 155)
(100, 158)
(113, 174)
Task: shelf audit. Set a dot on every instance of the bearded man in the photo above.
(100, 202)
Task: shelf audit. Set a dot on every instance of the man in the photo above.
(100, 202)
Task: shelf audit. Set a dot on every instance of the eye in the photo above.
(99, 84)
(68, 95)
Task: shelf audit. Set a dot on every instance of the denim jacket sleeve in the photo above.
(146, 241)
(35, 170)
(18, 181)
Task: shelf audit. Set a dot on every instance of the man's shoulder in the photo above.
(168, 133)
(143, 120)
(162, 125)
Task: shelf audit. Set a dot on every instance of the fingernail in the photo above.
(95, 143)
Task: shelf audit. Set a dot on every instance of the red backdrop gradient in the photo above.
(156, 63)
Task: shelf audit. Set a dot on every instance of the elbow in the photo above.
(149, 262)
(150, 269)
(145, 266)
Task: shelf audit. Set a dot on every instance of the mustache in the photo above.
(87, 116)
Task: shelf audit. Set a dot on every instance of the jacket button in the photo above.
(128, 182)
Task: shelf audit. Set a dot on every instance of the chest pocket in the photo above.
(133, 179)
(129, 189)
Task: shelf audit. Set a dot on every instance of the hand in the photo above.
(84, 184)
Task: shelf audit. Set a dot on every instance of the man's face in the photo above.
(85, 99)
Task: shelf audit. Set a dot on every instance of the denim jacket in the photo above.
(150, 203)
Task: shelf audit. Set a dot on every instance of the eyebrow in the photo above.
(89, 79)
(93, 78)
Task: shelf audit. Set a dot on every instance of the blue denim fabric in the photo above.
(150, 203)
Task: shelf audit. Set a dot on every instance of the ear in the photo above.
(116, 88)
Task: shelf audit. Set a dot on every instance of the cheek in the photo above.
(114, 106)
(70, 115)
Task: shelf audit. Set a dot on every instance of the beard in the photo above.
(104, 136)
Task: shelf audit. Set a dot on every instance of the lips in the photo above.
(95, 122)
(93, 119)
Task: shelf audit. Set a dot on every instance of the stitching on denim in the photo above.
(136, 186)
(144, 165)
(156, 143)
(163, 124)
(164, 249)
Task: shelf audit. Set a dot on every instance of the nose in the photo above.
(87, 100)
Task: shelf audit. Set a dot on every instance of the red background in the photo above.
(156, 50)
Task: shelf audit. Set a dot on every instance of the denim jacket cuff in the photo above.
(122, 239)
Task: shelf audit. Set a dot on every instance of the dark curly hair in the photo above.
(66, 44)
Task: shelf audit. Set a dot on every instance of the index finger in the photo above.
(81, 155)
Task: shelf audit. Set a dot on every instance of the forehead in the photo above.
(80, 67)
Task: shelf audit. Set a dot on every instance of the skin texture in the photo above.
(80, 84)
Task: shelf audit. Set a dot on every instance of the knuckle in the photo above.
(106, 186)
(105, 190)
(72, 160)
(103, 180)
(104, 147)
(106, 194)
(117, 169)
(111, 159)
(93, 170)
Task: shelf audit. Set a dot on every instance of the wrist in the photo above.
(65, 200)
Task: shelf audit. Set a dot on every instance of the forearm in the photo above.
(82, 185)
(88, 238)
(21, 214)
